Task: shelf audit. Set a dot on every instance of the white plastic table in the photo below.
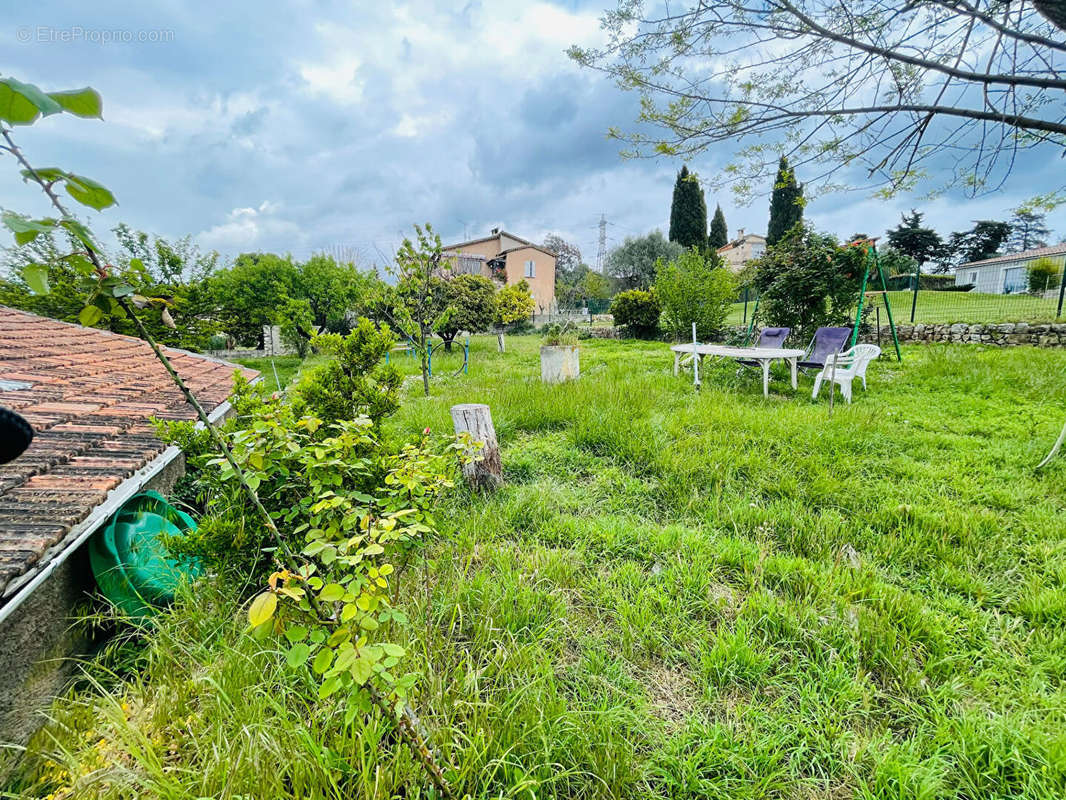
(764, 355)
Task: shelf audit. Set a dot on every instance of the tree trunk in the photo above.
(486, 470)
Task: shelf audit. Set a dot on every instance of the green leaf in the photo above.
(26, 229)
(331, 593)
(36, 275)
(262, 608)
(80, 102)
(330, 685)
(392, 649)
(83, 234)
(47, 174)
(297, 655)
(361, 670)
(90, 315)
(89, 193)
(322, 661)
(296, 633)
(21, 103)
(122, 291)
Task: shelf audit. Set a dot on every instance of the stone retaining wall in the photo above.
(1007, 334)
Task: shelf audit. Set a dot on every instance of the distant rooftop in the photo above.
(1024, 255)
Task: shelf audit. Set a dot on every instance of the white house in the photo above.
(1006, 274)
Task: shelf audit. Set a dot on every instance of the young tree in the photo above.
(514, 303)
(633, 262)
(694, 288)
(688, 212)
(249, 294)
(908, 83)
(1028, 230)
(786, 203)
(595, 286)
(422, 292)
(912, 239)
(472, 300)
(719, 235)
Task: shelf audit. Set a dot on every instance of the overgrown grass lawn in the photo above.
(681, 595)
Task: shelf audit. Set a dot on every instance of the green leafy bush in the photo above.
(637, 311)
(1044, 274)
(807, 280)
(355, 381)
(472, 299)
(514, 304)
(694, 288)
(557, 335)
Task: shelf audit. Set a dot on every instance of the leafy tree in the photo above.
(335, 291)
(982, 241)
(893, 262)
(472, 301)
(567, 255)
(174, 273)
(786, 203)
(297, 327)
(808, 281)
(638, 311)
(694, 288)
(514, 303)
(912, 239)
(885, 85)
(422, 306)
(719, 235)
(595, 286)
(688, 211)
(1044, 274)
(249, 294)
(1028, 230)
(169, 263)
(633, 262)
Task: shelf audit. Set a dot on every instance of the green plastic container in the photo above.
(129, 557)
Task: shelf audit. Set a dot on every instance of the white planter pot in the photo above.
(559, 364)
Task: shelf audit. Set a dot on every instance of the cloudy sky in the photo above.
(314, 124)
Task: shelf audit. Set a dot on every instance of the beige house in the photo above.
(508, 259)
(746, 247)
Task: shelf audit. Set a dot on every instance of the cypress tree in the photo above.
(786, 203)
(688, 212)
(719, 235)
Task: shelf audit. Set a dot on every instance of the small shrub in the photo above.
(556, 335)
(354, 382)
(638, 311)
(694, 288)
(1044, 274)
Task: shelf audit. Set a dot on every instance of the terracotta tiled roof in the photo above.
(1025, 255)
(88, 395)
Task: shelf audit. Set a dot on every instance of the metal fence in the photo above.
(937, 303)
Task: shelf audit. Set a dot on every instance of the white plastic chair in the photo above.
(845, 368)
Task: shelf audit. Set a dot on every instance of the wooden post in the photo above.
(486, 471)
(499, 341)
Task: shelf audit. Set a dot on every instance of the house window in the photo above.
(1014, 280)
(973, 278)
(531, 269)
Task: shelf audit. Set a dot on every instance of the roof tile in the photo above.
(90, 399)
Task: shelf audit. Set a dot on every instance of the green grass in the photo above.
(949, 307)
(278, 371)
(675, 595)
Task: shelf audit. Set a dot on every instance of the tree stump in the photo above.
(486, 470)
